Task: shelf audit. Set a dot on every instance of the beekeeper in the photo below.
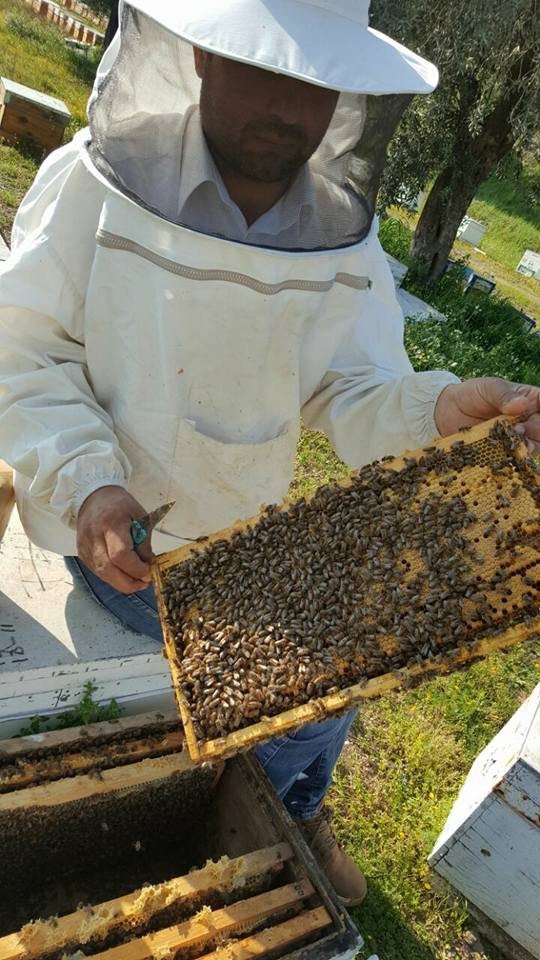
(190, 276)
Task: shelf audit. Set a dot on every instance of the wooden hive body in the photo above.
(489, 849)
(476, 486)
(28, 113)
(127, 851)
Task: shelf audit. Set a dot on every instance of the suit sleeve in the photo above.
(52, 429)
(371, 403)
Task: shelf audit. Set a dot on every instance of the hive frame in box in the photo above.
(67, 932)
(344, 700)
(257, 839)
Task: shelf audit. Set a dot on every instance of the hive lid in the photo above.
(14, 89)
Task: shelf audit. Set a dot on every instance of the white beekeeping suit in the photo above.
(149, 338)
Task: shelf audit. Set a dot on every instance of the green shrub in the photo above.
(483, 336)
(396, 237)
(84, 65)
(478, 339)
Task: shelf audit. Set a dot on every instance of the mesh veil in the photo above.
(138, 120)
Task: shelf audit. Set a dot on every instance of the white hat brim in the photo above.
(298, 39)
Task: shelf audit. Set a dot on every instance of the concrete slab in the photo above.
(54, 637)
(399, 270)
(415, 308)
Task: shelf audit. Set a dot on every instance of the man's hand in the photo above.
(465, 404)
(104, 539)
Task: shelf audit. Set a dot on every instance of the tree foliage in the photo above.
(101, 7)
(486, 105)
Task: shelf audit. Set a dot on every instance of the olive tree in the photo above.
(487, 103)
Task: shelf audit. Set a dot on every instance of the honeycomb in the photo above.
(411, 565)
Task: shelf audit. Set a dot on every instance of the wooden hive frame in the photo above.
(339, 702)
(63, 759)
(261, 894)
(136, 915)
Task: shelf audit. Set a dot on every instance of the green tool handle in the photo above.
(139, 533)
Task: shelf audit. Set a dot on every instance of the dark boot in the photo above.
(347, 879)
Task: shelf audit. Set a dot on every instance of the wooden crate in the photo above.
(316, 709)
(489, 849)
(132, 852)
(28, 113)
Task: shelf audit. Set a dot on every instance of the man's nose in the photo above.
(284, 100)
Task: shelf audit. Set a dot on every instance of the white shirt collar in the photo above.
(198, 168)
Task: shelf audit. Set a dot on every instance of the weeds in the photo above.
(85, 712)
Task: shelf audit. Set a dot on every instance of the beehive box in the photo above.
(125, 850)
(416, 565)
(489, 848)
(25, 112)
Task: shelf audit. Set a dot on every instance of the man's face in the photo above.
(262, 125)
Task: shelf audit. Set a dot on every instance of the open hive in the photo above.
(127, 851)
(410, 566)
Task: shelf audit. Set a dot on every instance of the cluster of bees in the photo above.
(402, 565)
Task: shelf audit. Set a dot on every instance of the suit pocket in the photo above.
(216, 483)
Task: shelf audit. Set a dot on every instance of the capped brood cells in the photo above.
(411, 566)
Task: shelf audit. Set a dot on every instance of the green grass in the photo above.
(400, 774)
(18, 168)
(316, 464)
(395, 787)
(33, 52)
(522, 292)
(510, 209)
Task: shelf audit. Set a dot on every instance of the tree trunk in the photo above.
(112, 25)
(475, 158)
(382, 117)
(444, 209)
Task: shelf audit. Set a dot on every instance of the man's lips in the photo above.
(270, 138)
(277, 136)
(277, 143)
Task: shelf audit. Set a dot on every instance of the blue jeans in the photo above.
(300, 764)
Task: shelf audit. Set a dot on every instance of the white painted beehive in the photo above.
(471, 231)
(529, 265)
(54, 638)
(489, 849)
